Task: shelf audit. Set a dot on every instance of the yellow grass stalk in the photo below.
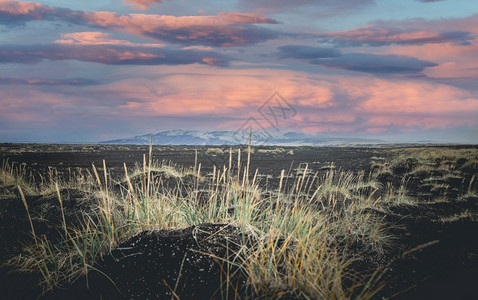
(220, 177)
(61, 207)
(301, 179)
(315, 193)
(195, 159)
(230, 160)
(130, 186)
(244, 178)
(224, 174)
(248, 155)
(470, 186)
(218, 180)
(255, 176)
(279, 190)
(28, 213)
(238, 162)
(143, 182)
(149, 165)
(105, 206)
(213, 175)
(106, 178)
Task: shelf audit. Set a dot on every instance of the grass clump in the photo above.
(14, 175)
(214, 151)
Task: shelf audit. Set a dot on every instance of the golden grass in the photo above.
(12, 174)
(304, 234)
(465, 215)
(278, 150)
(297, 249)
(214, 151)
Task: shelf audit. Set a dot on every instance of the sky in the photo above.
(94, 70)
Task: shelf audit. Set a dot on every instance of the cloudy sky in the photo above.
(92, 70)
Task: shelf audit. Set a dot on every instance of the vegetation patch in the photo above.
(163, 230)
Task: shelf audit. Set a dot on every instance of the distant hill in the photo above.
(202, 137)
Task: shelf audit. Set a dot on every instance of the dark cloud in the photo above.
(223, 30)
(49, 82)
(18, 13)
(232, 35)
(305, 52)
(359, 62)
(275, 4)
(111, 55)
(376, 63)
(316, 5)
(383, 34)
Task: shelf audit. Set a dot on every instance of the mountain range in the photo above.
(203, 137)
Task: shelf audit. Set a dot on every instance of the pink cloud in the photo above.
(449, 43)
(408, 32)
(111, 54)
(200, 48)
(380, 35)
(143, 4)
(98, 38)
(323, 104)
(454, 60)
(328, 7)
(232, 94)
(406, 104)
(246, 18)
(21, 8)
(226, 98)
(225, 29)
(29, 106)
(47, 82)
(20, 12)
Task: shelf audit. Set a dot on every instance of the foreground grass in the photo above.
(306, 233)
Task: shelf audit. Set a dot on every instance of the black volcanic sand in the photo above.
(38, 157)
(430, 258)
(153, 264)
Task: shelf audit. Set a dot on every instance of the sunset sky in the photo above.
(93, 70)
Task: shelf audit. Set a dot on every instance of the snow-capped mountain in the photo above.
(202, 137)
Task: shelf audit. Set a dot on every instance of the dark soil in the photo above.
(434, 260)
(38, 157)
(434, 255)
(155, 264)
